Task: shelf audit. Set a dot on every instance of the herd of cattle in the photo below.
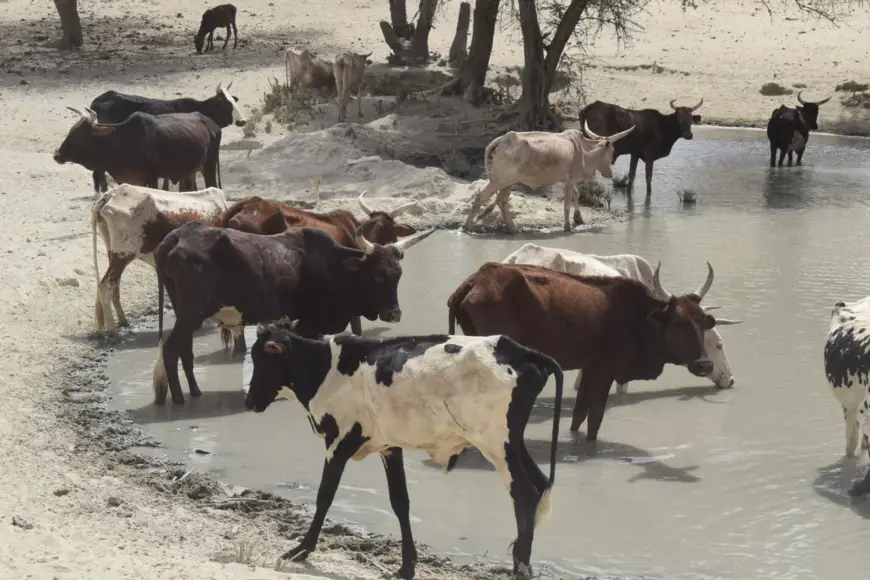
(303, 277)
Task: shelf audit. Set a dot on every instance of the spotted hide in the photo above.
(630, 266)
(437, 393)
(132, 220)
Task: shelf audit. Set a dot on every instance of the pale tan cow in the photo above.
(309, 71)
(349, 69)
(538, 159)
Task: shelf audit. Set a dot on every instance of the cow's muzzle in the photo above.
(241, 123)
(392, 315)
(58, 158)
(688, 135)
(701, 367)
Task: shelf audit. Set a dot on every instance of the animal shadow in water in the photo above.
(209, 405)
(221, 356)
(579, 450)
(835, 480)
(542, 412)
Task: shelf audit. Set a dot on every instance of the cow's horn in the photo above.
(261, 329)
(367, 55)
(217, 91)
(800, 100)
(657, 283)
(698, 106)
(402, 208)
(820, 103)
(229, 86)
(725, 321)
(618, 136)
(77, 112)
(364, 245)
(363, 205)
(702, 291)
(589, 131)
(673, 106)
(709, 308)
(405, 244)
(92, 116)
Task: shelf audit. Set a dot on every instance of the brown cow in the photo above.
(611, 328)
(256, 215)
(309, 71)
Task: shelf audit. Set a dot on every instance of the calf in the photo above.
(788, 130)
(630, 266)
(610, 328)
(213, 18)
(259, 216)
(311, 73)
(538, 159)
(132, 221)
(349, 70)
(437, 393)
(236, 278)
(115, 107)
(145, 147)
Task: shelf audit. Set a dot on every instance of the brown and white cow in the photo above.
(538, 159)
(611, 328)
(256, 215)
(305, 69)
(349, 70)
(132, 220)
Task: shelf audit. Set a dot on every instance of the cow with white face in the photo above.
(538, 159)
(635, 267)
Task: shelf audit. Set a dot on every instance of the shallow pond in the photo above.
(685, 482)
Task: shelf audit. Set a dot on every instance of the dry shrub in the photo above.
(856, 101)
(253, 124)
(852, 86)
(287, 108)
(621, 181)
(775, 90)
(455, 164)
(593, 194)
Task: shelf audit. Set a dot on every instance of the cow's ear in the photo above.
(403, 230)
(696, 118)
(101, 131)
(709, 322)
(273, 347)
(352, 264)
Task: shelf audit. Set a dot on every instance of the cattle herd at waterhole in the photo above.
(302, 277)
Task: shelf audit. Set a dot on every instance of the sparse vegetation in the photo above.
(455, 164)
(775, 90)
(799, 85)
(593, 194)
(250, 129)
(287, 108)
(621, 181)
(856, 101)
(852, 86)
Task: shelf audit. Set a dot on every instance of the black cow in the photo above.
(788, 129)
(145, 147)
(115, 107)
(219, 16)
(653, 137)
(237, 278)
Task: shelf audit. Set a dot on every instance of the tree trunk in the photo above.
(399, 20)
(473, 75)
(70, 23)
(420, 43)
(459, 48)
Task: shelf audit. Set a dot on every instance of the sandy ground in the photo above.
(74, 504)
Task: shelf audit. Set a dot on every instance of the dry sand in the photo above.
(58, 479)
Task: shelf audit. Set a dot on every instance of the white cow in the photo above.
(847, 367)
(538, 159)
(629, 266)
(438, 393)
(349, 69)
(132, 220)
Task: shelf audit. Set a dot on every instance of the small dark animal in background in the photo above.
(219, 16)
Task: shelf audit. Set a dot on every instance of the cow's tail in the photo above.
(542, 511)
(488, 152)
(454, 302)
(160, 380)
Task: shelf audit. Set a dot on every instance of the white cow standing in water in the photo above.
(629, 266)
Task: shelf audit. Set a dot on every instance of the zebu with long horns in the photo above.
(256, 215)
(635, 267)
(788, 129)
(653, 138)
(538, 159)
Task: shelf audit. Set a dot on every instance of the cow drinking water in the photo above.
(788, 129)
(437, 393)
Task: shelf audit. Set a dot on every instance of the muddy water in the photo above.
(685, 482)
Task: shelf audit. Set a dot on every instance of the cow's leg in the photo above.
(356, 325)
(186, 353)
(773, 154)
(239, 344)
(106, 287)
(171, 350)
(568, 202)
(477, 200)
(210, 45)
(865, 444)
(332, 471)
(790, 157)
(593, 379)
(526, 496)
(226, 38)
(578, 217)
(597, 404)
(648, 166)
(503, 200)
(398, 488)
(116, 302)
(781, 157)
(632, 172)
(852, 430)
(800, 156)
(621, 388)
(359, 101)
(235, 35)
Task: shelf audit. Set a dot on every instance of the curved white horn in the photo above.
(364, 245)
(698, 106)
(92, 116)
(800, 100)
(709, 308)
(217, 91)
(660, 291)
(673, 106)
(820, 103)
(725, 321)
(402, 208)
(589, 131)
(702, 291)
(77, 112)
(618, 136)
(229, 86)
(405, 244)
(363, 205)
(261, 329)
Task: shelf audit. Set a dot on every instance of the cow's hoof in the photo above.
(567, 228)
(297, 554)
(178, 401)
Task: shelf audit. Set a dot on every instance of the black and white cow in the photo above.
(436, 393)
